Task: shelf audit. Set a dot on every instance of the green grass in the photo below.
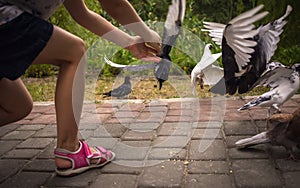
(43, 89)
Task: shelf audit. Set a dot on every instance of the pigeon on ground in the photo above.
(283, 83)
(245, 50)
(207, 71)
(285, 132)
(121, 91)
(172, 29)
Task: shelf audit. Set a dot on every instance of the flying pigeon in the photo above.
(283, 83)
(285, 131)
(206, 71)
(171, 32)
(245, 50)
(121, 91)
(172, 29)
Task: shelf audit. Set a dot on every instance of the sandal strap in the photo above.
(79, 158)
(103, 154)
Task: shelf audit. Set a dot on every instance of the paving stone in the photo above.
(41, 165)
(258, 113)
(10, 167)
(288, 165)
(125, 114)
(134, 107)
(144, 126)
(21, 154)
(207, 134)
(8, 128)
(256, 152)
(7, 145)
(115, 181)
(179, 119)
(149, 177)
(27, 179)
(175, 129)
(121, 167)
(207, 150)
(35, 143)
(155, 109)
(239, 128)
(124, 151)
(234, 115)
(234, 103)
(207, 125)
(262, 171)
(170, 141)
(92, 118)
(207, 180)
(44, 119)
(292, 179)
(277, 152)
(208, 167)
(119, 120)
(110, 130)
(48, 132)
(134, 135)
(107, 143)
(29, 127)
(82, 180)
(180, 112)
(167, 153)
(151, 117)
(47, 153)
(89, 126)
(18, 135)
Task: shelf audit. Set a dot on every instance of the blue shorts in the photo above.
(21, 41)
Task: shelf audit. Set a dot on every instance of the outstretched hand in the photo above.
(146, 49)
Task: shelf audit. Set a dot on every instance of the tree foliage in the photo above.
(197, 11)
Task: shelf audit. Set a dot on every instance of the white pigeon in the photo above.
(285, 131)
(206, 70)
(246, 50)
(283, 83)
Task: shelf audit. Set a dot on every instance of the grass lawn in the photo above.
(43, 89)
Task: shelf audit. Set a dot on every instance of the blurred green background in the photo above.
(197, 11)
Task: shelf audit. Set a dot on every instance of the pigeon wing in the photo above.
(130, 67)
(269, 35)
(239, 34)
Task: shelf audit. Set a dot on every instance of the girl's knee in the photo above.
(79, 50)
(26, 109)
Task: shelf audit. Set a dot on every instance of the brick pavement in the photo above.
(163, 143)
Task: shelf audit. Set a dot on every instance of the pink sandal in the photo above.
(81, 158)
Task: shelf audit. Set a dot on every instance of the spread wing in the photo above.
(172, 25)
(239, 34)
(269, 35)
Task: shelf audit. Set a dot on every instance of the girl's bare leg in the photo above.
(66, 51)
(15, 101)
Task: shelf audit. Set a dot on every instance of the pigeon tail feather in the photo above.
(260, 138)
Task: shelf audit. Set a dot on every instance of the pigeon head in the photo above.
(162, 70)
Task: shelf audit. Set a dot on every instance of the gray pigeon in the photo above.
(121, 91)
(283, 83)
(171, 32)
(285, 132)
